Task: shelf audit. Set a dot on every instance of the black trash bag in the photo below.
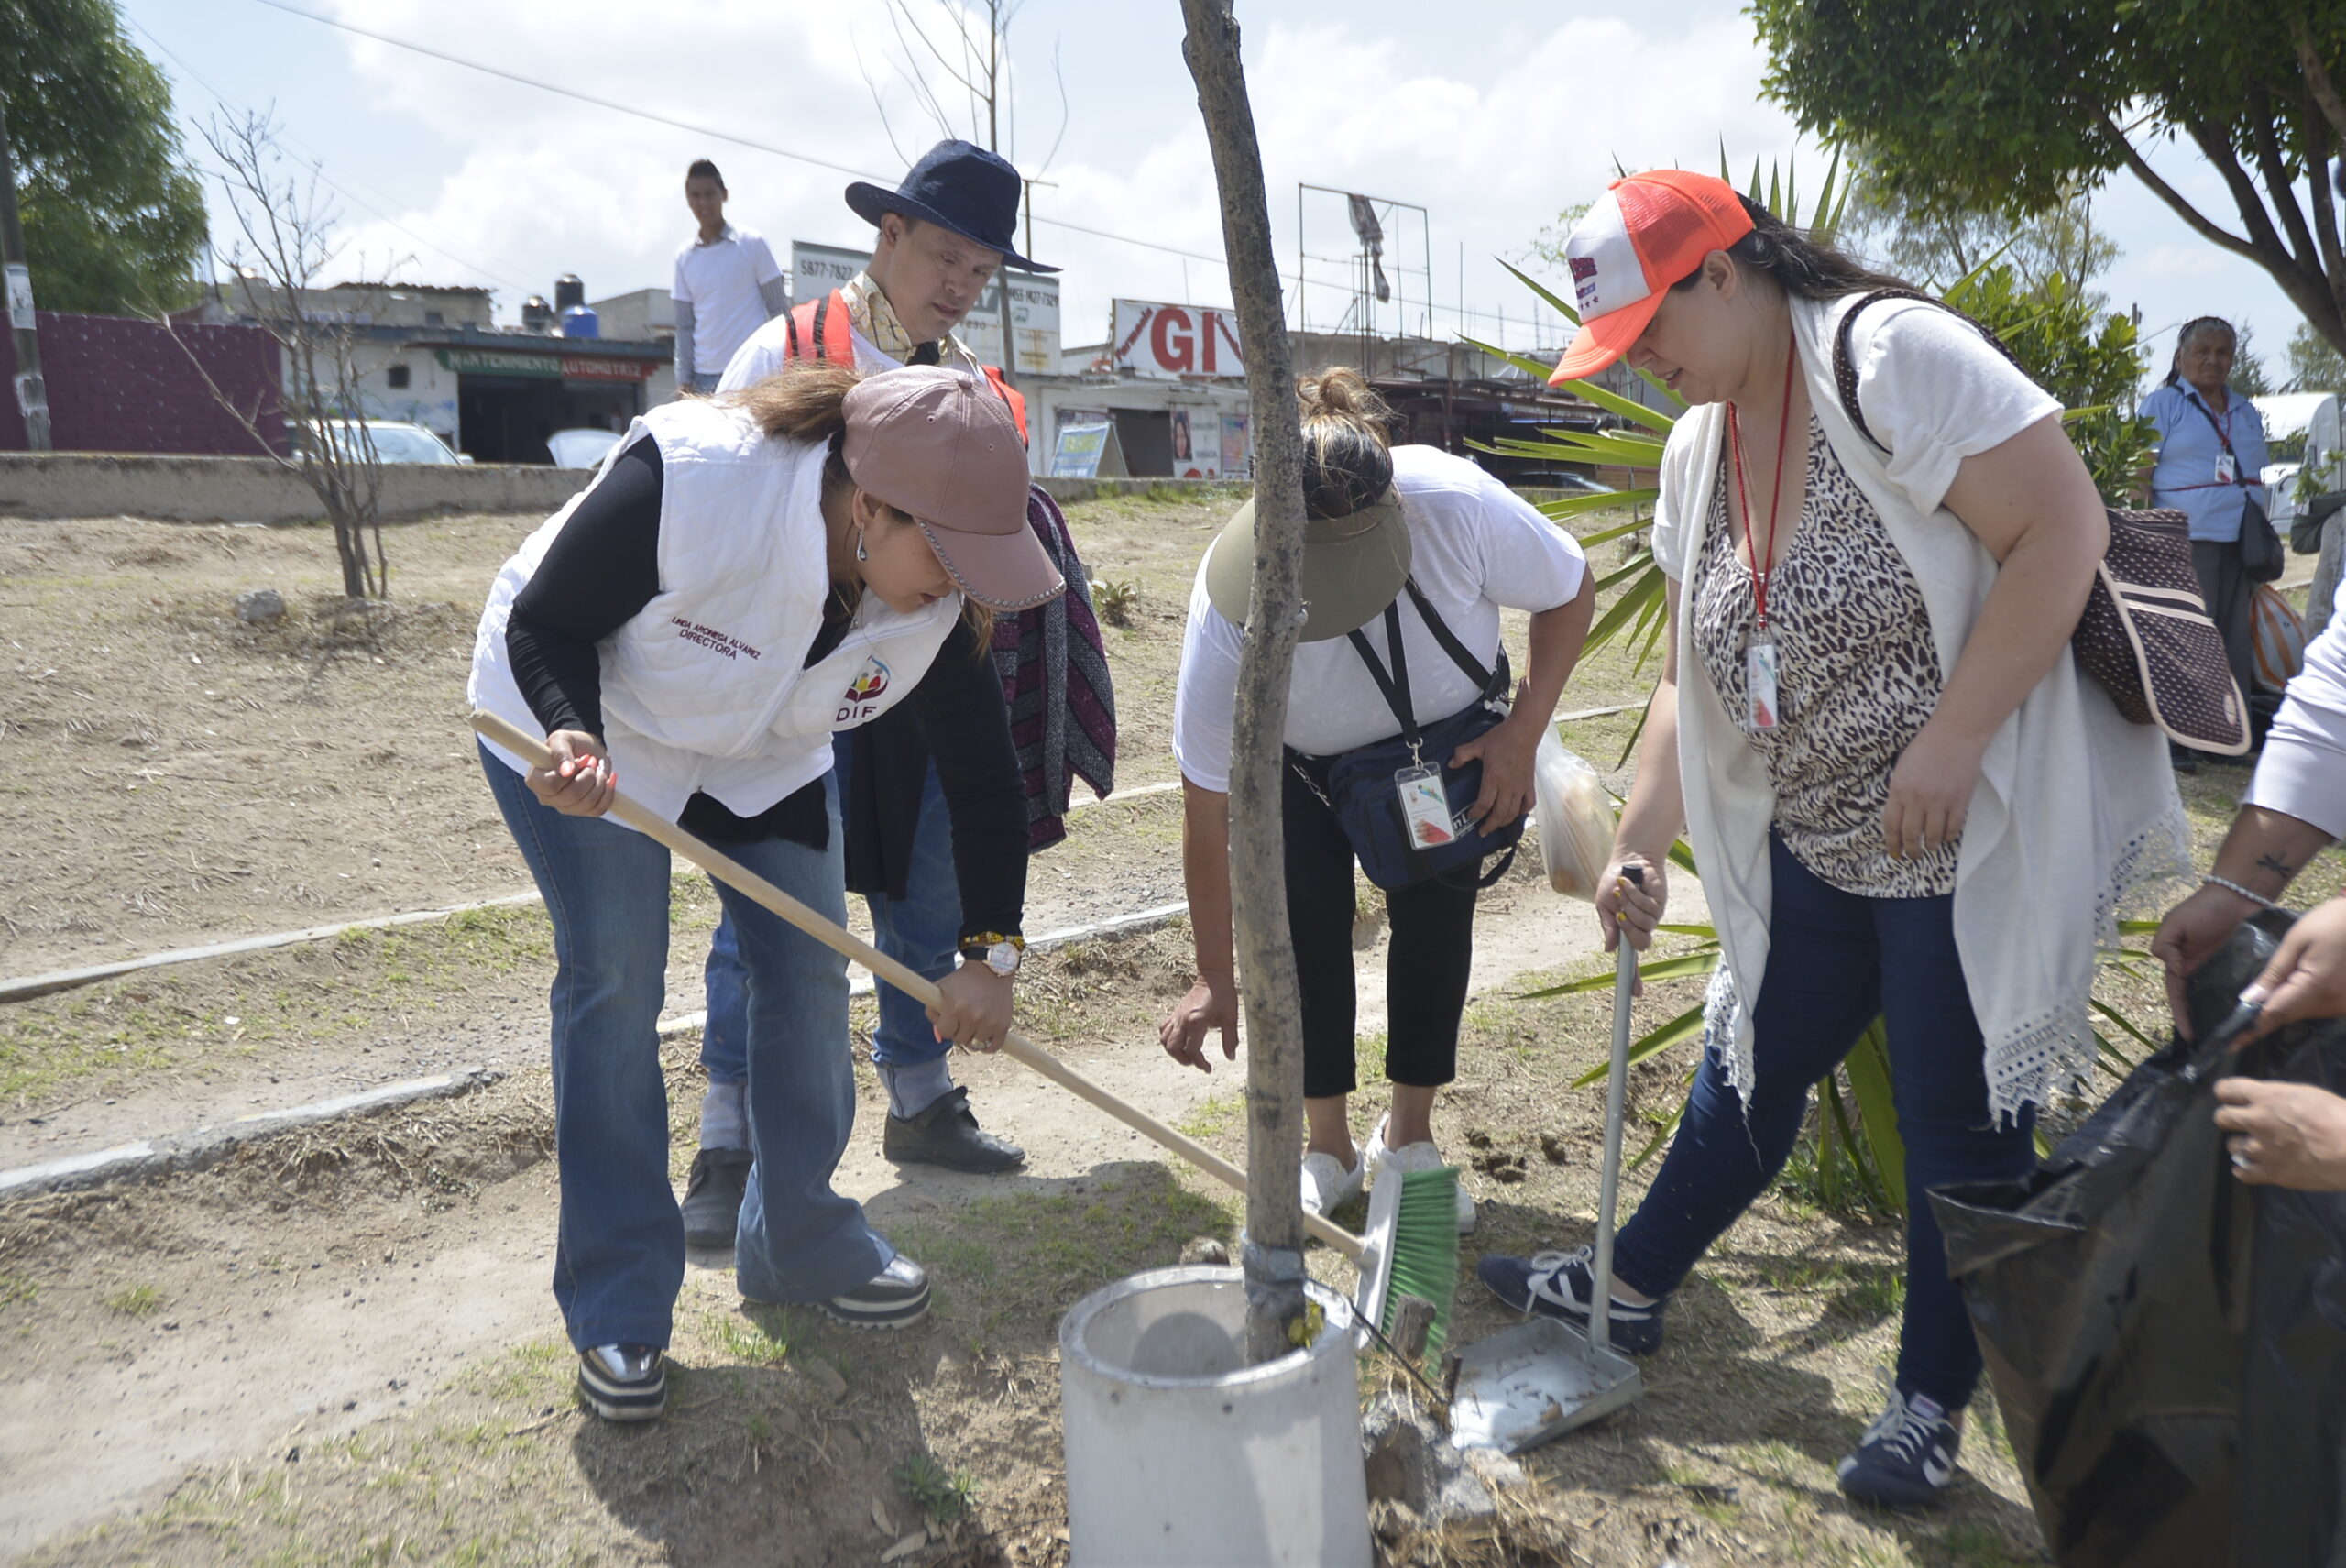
(2166, 1343)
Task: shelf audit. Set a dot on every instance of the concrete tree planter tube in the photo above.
(1180, 1453)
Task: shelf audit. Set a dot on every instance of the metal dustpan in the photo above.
(1544, 1378)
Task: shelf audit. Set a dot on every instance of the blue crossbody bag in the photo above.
(1360, 786)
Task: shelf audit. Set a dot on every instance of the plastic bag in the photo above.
(2168, 1344)
(1576, 819)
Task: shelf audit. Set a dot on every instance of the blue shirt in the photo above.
(2189, 451)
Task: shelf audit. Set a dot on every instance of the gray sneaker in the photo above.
(1907, 1456)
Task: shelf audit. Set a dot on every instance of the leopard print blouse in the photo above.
(1858, 674)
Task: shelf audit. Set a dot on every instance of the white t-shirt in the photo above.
(2302, 771)
(721, 281)
(1476, 545)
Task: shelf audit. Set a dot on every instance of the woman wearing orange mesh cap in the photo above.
(1903, 797)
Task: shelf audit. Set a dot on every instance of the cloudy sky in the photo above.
(1492, 118)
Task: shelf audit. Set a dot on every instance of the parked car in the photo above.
(580, 448)
(395, 441)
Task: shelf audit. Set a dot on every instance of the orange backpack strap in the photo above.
(1011, 395)
(820, 329)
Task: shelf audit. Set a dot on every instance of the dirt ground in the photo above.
(339, 1346)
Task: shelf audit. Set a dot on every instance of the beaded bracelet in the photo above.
(2230, 886)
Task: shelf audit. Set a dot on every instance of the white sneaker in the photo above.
(1327, 1185)
(1415, 1157)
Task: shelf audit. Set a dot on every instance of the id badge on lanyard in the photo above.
(1759, 679)
(1425, 805)
(2225, 470)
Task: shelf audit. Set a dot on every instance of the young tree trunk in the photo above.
(1274, 1255)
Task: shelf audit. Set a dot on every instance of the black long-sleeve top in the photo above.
(604, 567)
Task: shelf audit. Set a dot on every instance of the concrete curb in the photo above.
(149, 1158)
(26, 987)
(1111, 928)
(145, 1159)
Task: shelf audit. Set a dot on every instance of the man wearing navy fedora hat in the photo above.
(944, 234)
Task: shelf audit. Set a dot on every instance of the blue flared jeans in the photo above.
(1836, 961)
(619, 1249)
(921, 930)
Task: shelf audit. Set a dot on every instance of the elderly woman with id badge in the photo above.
(1905, 800)
(1402, 752)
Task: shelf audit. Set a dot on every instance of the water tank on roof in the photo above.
(568, 292)
(536, 315)
(580, 322)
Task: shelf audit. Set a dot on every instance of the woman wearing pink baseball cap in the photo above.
(1903, 796)
(744, 578)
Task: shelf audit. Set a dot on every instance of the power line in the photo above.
(317, 167)
(699, 130)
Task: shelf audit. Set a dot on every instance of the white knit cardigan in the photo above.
(2074, 808)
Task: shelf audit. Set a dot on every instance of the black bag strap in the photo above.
(1845, 367)
(1396, 685)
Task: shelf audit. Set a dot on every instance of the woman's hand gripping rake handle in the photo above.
(532, 749)
(1616, 1090)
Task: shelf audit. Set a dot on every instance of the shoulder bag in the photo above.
(2145, 634)
(1360, 784)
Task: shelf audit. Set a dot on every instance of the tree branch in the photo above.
(2325, 214)
(2206, 227)
(2317, 83)
(2217, 151)
(2279, 189)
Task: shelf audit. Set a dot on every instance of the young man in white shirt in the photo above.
(727, 284)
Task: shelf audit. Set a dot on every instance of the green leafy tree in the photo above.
(2001, 105)
(1915, 234)
(113, 215)
(2314, 365)
(2249, 377)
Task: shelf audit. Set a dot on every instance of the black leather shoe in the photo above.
(946, 1133)
(713, 1196)
(892, 1298)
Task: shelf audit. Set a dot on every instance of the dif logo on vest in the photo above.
(863, 694)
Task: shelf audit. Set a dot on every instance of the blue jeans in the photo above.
(619, 1248)
(1836, 961)
(921, 930)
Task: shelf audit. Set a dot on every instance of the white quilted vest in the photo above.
(703, 689)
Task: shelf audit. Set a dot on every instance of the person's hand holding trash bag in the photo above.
(2292, 1135)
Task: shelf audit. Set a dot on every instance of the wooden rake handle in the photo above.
(531, 748)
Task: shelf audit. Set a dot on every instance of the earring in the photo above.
(860, 552)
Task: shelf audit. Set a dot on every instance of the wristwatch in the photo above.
(998, 951)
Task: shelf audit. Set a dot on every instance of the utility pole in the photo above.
(32, 392)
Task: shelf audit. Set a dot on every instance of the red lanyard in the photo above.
(1763, 560)
(2223, 425)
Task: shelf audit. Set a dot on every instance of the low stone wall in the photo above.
(254, 490)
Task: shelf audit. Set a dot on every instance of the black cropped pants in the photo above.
(1428, 957)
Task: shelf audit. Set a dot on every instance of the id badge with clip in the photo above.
(1425, 807)
(1759, 681)
(2225, 471)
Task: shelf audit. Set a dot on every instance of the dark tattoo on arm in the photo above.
(2276, 865)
